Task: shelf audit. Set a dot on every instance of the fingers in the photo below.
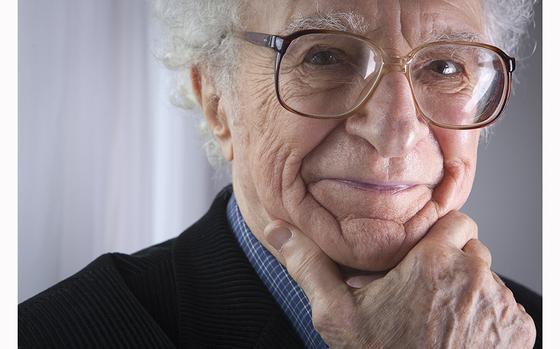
(360, 281)
(476, 248)
(528, 320)
(310, 267)
(454, 229)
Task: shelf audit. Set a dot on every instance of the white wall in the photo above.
(106, 163)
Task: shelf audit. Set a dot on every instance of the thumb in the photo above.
(309, 266)
(454, 229)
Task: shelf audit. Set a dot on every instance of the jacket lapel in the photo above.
(222, 302)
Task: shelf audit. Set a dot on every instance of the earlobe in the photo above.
(220, 129)
(213, 110)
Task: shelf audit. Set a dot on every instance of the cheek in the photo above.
(270, 144)
(459, 149)
(255, 127)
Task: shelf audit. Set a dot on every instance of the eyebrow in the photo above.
(342, 21)
(454, 36)
(356, 23)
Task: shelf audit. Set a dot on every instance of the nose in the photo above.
(388, 120)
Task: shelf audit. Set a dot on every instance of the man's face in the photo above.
(366, 189)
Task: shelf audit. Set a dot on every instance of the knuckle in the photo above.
(482, 273)
(478, 266)
(498, 280)
(483, 248)
(503, 298)
(479, 274)
(507, 296)
(466, 222)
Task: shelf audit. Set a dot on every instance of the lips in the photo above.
(376, 186)
(347, 198)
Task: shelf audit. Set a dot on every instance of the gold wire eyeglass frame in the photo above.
(389, 64)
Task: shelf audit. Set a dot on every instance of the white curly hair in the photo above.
(202, 32)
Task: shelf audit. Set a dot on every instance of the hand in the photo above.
(442, 294)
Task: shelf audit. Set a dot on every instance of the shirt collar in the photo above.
(274, 275)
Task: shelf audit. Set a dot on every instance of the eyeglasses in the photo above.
(330, 74)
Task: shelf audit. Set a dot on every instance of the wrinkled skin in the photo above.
(284, 164)
(442, 295)
(292, 169)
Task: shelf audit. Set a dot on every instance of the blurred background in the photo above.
(107, 163)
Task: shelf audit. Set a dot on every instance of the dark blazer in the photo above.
(195, 291)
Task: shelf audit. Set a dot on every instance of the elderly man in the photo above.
(351, 128)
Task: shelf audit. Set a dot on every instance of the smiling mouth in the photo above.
(392, 188)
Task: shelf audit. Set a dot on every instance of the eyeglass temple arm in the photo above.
(511, 64)
(266, 40)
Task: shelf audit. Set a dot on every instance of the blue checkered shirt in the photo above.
(280, 284)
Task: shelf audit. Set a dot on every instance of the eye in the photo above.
(445, 68)
(324, 56)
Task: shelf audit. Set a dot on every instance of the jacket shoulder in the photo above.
(100, 306)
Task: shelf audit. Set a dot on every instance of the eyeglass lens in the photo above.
(328, 75)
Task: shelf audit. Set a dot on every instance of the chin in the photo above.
(375, 244)
(376, 230)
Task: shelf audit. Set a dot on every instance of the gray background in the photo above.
(506, 200)
(106, 164)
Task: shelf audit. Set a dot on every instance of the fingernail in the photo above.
(278, 238)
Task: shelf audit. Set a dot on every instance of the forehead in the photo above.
(415, 21)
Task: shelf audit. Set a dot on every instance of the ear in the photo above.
(213, 110)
